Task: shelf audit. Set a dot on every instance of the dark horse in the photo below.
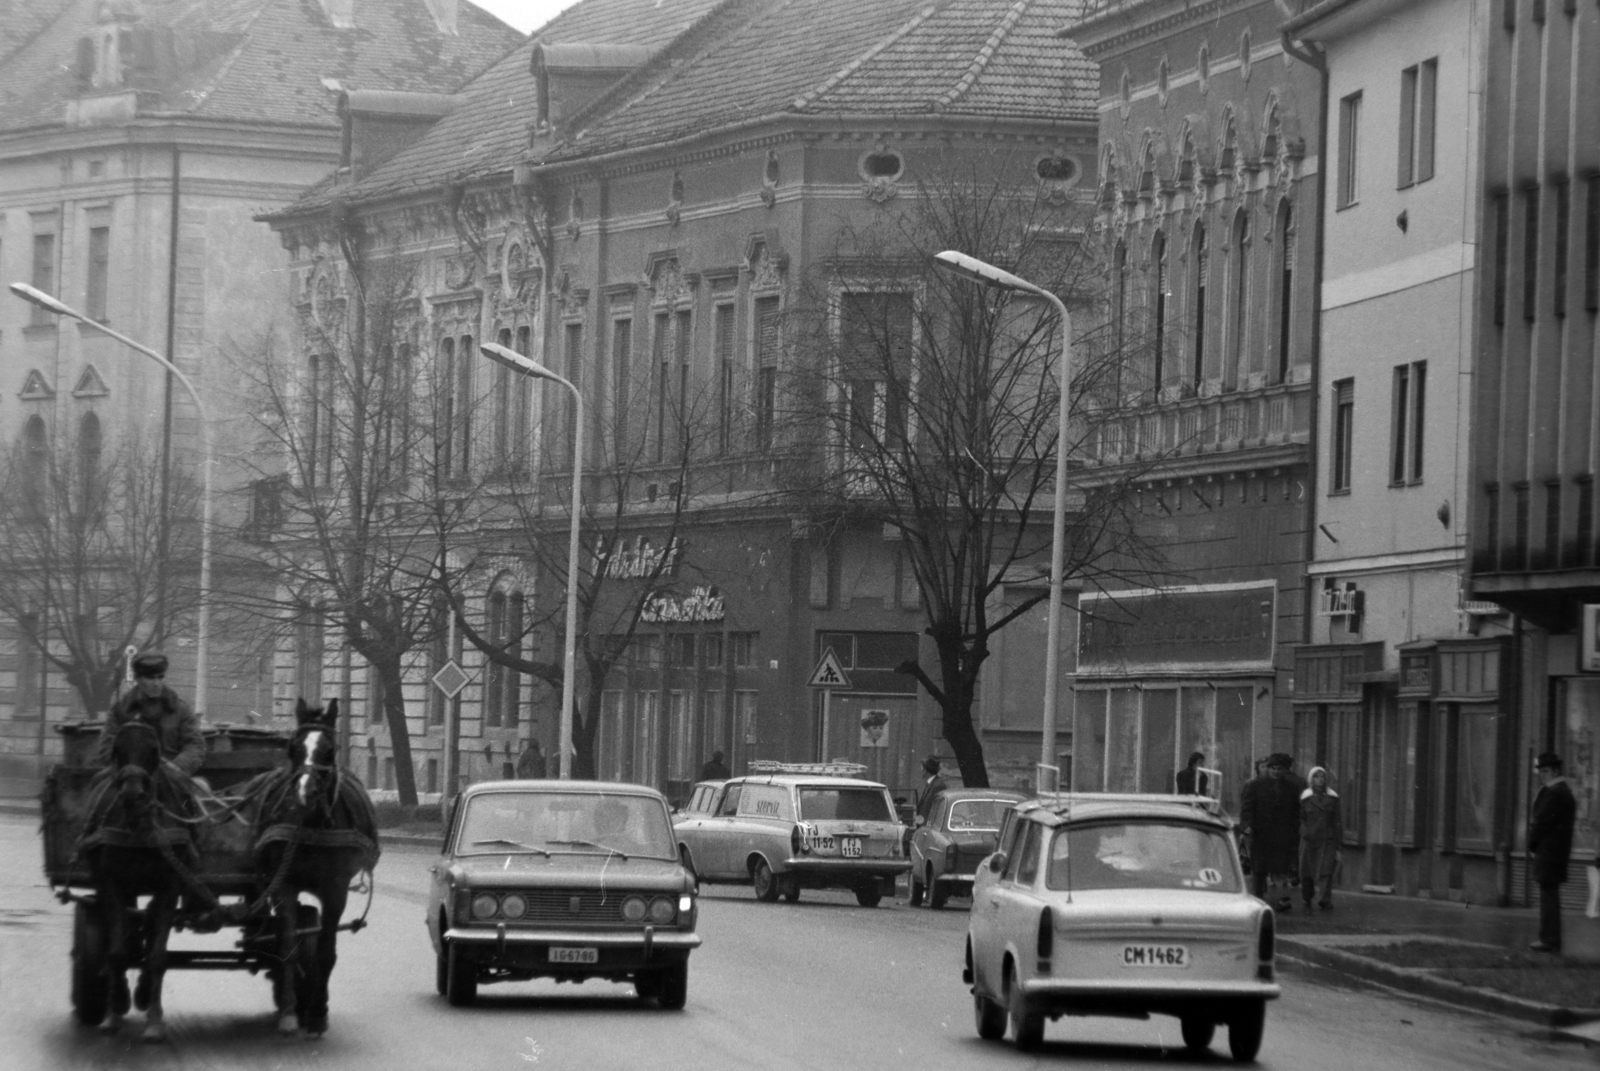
(137, 844)
(315, 830)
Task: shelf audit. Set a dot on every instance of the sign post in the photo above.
(450, 679)
(828, 675)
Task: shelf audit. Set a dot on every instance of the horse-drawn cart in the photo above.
(220, 884)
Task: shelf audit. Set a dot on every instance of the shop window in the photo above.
(1476, 730)
(1577, 741)
(682, 647)
(711, 645)
(743, 646)
(1122, 741)
(612, 746)
(1159, 741)
(714, 718)
(1089, 741)
(1409, 770)
(1235, 741)
(646, 727)
(681, 731)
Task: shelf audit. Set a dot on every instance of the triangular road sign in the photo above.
(829, 673)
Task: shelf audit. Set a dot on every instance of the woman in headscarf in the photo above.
(1321, 831)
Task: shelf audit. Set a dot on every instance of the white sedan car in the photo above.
(1120, 905)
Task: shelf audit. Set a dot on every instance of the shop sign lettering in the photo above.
(700, 604)
(639, 559)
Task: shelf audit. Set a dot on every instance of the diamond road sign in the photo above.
(450, 679)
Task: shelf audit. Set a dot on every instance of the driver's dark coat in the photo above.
(179, 728)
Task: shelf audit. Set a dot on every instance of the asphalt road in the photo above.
(817, 985)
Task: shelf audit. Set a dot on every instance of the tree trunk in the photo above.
(394, 714)
(585, 738)
(956, 704)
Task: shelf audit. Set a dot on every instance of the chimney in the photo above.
(341, 13)
(444, 15)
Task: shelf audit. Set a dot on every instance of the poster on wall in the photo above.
(874, 728)
(1589, 645)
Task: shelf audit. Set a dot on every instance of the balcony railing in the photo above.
(1242, 420)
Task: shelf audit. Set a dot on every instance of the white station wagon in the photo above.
(793, 826)
(1119, 905)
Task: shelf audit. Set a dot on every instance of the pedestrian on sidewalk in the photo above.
(1321, 833)
(1269, 815)
(1191, 780)
(715, 769)
(1555, 811)
(531, 764)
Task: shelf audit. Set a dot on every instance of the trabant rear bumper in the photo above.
(1068, 991)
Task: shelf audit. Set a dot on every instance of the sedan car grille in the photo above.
(578, 905)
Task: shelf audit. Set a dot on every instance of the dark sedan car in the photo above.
(962, 826)
(562, 879)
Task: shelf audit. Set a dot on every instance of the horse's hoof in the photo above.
(111, 1025)
(119, 997)
(288, 1024)
(141, 993)
(316, 1027)
(154, 1033)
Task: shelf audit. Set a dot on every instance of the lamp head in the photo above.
(982, 272)
(39, 298)
(515, 361)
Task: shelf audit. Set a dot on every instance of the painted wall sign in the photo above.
(700, 604)
(641, 558)
(1176, 627)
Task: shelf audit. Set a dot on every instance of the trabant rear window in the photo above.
(766, 801)
(845, 804)
(512, 823)
(1142, 855)
(977, 816)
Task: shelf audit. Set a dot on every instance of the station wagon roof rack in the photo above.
(822, 769)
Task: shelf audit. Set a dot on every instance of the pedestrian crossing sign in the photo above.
(829, 673)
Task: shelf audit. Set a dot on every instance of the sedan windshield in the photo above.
(845, 804)
(1143, 855)
(977, 816)
(502, 823)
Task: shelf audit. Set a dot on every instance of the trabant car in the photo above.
(960, 831)
(1121, 905)
(792, 826)
(568, 880)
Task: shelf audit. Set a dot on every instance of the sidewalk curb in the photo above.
(416, 840)
(1422, 982)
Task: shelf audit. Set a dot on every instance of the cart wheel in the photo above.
(88, 966)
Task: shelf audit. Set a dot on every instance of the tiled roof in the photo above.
(753, 59)
(489, 131)
(856, 57)
(264, 61)
(20, 20)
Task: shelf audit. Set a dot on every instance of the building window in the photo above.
(766, 365)
(1591, 246)
(621, 366)
(1582, 552)
(1286, 251)
(99, 272)
(1240, 328)
(44, 274)
(1501, 210)
(1119, 308)
(90, 448)
(1349, 136)
(1530, 252)
(1552, 524)
(711, 645)
(35, 460)
(1158, 253)
(310, 650)
(742, 649)
(1344, 417)
(503, 689)
(1201, 271)
(1520, 520)
(522, 409)
(28, 696)
(1563, 246)
(505, 383)
(319, 420)
(875, 333)
(574, 359)
(1405, 446)
(1418, 92)
(723, 364)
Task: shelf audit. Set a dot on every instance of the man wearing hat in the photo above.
(1269, 814)
(1555, 811)
(932, 787)
(150, 699)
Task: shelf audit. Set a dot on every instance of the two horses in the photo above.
(312, 828)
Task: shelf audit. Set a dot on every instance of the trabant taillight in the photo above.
(1047, 940)
(952, 858)
(1266, 937)
(794, 840)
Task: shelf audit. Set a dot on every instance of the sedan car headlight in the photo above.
(685, 904)
(634, 909)
(661, 911)
(484, 906)
(514, 906)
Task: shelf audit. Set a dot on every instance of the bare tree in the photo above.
(940, 400)
(81, 541)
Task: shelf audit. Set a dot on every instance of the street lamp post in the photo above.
(201, 665)
(569, 670)
(988, 275)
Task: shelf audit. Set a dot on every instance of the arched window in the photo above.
(506, 384)
(448, 405)
(35, 460)
(1119, 309)
(1239, 329)
(1158, 310)
(1201, 254)
(1285, 310)
(504, 685)
(90, 448)
(319, 420)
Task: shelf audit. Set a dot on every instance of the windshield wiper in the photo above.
(515, 844)
(591, 844)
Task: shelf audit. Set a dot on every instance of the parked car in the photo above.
(562, 879)
(787, 827)
(961, 829)
(1100, 904)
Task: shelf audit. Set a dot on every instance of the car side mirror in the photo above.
(997, 862)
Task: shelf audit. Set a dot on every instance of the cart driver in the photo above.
(175, 721)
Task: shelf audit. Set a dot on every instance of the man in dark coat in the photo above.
(934, 785)
(1191, 780)
(530, 764)
(1555, 811)
(151, 700)
(1269, 814)
(715, 769)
